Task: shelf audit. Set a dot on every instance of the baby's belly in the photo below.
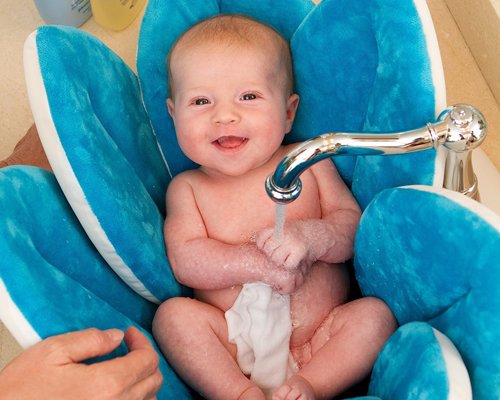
(325, 287)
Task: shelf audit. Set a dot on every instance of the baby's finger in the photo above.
(292, 261)
(270, 246)
(280, 256)
(285, 285)
(262, 237)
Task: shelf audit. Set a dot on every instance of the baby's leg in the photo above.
(193, 337)
(343, 350)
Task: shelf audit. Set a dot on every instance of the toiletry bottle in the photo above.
(64, 12)
(116, 14)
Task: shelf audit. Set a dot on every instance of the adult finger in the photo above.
(141, 362)
(140, 347)
(81, 345)
(136, 340)
(146, 388)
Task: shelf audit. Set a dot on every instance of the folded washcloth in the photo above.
(259, 324)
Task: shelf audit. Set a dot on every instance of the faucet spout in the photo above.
(459, 128)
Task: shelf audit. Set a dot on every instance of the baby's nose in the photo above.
(226, 114)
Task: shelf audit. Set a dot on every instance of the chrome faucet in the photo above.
(460, 129)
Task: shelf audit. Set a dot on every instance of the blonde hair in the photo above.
(228, 30)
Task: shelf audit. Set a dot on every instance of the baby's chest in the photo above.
(235, 216)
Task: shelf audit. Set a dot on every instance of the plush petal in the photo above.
(419, 362)
(41, 235)
(52, 280)
(284, 15)
(369, 67)
(431, 255)
(99, 142)
(408, 91)
(335, 59)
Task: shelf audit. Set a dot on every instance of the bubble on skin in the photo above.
(252, 238)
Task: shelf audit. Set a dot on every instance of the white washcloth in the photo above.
(259, 323)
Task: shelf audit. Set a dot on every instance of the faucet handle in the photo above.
(466, 127)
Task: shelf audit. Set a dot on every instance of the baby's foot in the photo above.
(296, 388)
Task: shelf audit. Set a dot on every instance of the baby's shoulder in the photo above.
(184, 180)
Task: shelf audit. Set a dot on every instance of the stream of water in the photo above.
(279, 221)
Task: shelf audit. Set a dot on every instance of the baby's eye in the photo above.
(248, 96)
(200, 102)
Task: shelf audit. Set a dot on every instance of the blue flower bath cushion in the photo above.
(359, 66)
(41, 235)
(432, 255)
(103, 145)
(419, 362)
(52, 279)
(99, 142)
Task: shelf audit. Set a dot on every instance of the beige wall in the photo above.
(479, 23)
(465, 82)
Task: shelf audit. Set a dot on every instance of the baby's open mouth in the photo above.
(230, 142)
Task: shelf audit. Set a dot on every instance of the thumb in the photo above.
(136, 340)
(78, 346)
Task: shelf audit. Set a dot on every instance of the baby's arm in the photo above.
(208, 264)
(329, 239)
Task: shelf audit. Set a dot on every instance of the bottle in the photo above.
(64, 12)
(116, 14)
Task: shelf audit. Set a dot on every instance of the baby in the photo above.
(231, 99)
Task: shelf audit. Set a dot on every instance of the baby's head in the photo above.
(231, 93)
(236, 32)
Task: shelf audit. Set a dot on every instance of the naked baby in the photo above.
(232, 102)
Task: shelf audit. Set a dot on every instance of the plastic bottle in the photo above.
(116, 14)
(64, 12)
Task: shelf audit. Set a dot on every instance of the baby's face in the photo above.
(229, 107)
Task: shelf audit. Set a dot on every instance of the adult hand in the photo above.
(52, 370)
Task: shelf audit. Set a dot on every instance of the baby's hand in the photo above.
(284, 281)
(290, 252)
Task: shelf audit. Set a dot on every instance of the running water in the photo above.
(279, 221)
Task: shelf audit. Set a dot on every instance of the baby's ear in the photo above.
(291, 109)
(170, 107)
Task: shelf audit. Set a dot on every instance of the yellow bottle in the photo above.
(116, 14)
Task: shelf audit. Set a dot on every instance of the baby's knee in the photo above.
(173, 314)
(367, 314)
(378, 316)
